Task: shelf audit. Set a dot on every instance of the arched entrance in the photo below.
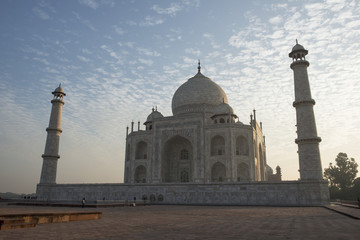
(140, 174)
(218, 172)
(242, 147)
(141, 150)
(217, 146)
(243, 172)
(176, 165)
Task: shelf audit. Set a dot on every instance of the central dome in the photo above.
(198, 94)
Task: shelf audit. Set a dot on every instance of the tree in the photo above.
(341, 175)
(356, 187)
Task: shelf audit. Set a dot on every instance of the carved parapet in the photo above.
(305, 102)
(308, 140)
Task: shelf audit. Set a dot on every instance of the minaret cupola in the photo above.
(59, 93)
(298, 52)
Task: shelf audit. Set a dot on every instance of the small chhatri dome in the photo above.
(153, 115)
(223, 109)
(198, 94)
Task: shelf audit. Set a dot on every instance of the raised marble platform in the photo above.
(286, 193)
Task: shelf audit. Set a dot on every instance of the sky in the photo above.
(117, 59)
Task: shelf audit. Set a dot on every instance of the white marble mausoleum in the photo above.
(202, 142)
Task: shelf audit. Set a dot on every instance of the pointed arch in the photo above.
(217, 146)
(127, 175)
(177, 160)
(242, 146)
(262, 163)
(141, 150)
(140, 174)
(218, 172)
(243, 172)
(256, 152)
(128, 152)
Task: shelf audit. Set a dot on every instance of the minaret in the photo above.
(51, 154)
(307, 139)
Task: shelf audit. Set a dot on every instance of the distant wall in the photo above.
(286, 193)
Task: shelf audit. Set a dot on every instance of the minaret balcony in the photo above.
(54, 130)
(299, 62)
(50, 156)
(308, 140)
(305, 102)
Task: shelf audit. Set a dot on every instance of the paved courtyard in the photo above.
(192, 222)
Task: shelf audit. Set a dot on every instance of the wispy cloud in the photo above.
(85, 22)
(87, 51)
(42, 9)
(29, 49)
(90, 3)
(41, 13)
(42, 60)
(146, 61)
(151, 21)
(192, 51)
(112, 53)
(131, 23)
(118, 30)
(210, 37)
(95, 4)
(276, 20)
(172, 10)
(147, 52)
(83, 59)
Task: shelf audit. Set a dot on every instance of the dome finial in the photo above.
(199, 67)
(297, 41)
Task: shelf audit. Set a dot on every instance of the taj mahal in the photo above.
(202, 142)
(202, 154)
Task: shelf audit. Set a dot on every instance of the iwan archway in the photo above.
(177, 159)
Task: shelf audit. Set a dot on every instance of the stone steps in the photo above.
(15, 223)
